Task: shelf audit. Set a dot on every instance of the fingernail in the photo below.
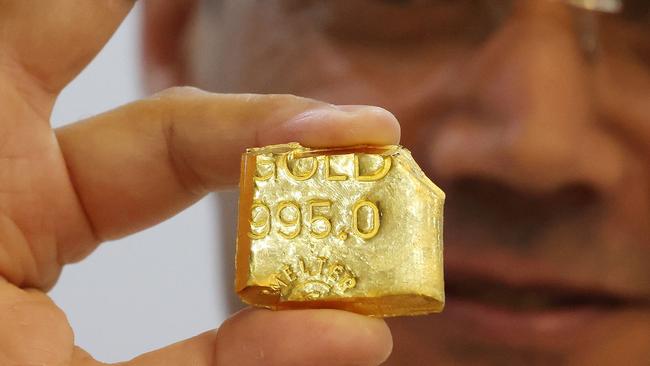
(352, 108)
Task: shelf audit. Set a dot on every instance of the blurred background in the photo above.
(486, 103)
(167, 274)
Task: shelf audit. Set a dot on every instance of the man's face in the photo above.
(534, 118)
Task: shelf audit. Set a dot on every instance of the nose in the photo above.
(525, 114)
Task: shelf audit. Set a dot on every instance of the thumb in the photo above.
(50, 42)
(280, 338)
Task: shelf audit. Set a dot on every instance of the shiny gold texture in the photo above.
(357, 228)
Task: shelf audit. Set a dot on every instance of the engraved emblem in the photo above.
(304, 280)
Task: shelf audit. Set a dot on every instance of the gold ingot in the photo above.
(357, 228)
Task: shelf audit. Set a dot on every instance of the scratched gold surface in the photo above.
(298, 245)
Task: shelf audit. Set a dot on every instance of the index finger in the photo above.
(137, 165)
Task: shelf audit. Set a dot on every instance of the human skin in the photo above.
(64, 191)
(541, 143)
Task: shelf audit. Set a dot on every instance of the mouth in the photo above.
(531, 299)
(528, 313)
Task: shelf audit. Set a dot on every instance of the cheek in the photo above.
(620, 339)
(622, 91)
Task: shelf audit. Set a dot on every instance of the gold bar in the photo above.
(357, 228)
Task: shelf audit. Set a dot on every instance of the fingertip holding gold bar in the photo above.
(356, 228)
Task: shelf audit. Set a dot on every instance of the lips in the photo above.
(530, 313)
(516, 219)
(536, 270)
(530, 299)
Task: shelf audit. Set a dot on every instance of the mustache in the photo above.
(514, 217)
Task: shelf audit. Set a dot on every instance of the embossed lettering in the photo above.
(260, 221)
(377, 175)
(291, 219)
(374, 228)
(335, 272)
(294, 281)
(287, 271)
(277, 283)
(328, 171)
(320, 262)
(316, 219)
(285, 165)
(347, 282)
(267, 165)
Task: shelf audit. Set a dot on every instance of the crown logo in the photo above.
(304, 280)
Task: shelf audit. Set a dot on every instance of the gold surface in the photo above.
(357, 228)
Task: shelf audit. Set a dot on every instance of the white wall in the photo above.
(153, 288)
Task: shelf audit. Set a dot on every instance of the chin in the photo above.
(470, 334)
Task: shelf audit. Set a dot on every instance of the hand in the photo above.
(63, 192)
